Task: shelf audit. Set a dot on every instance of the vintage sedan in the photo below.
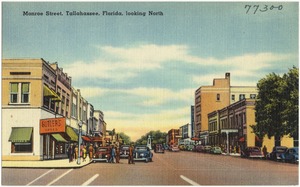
(207, 149)
(252, 152)
(143, 153)
(216, 150)
(174, 148)
(291, 155)
(277, 151)
(101, 154)
(124, 151)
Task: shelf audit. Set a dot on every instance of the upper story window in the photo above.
(19, 92)
(218, 97)
(242, 96)
(233, 97)
(252, 96)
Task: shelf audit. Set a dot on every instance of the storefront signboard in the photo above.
(52, 125)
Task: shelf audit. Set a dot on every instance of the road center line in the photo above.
(59, 177)
(90, 180)
(39, 177)
(189, 181)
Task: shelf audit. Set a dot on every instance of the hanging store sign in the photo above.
(52, 125)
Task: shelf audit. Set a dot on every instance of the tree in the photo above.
(156, 137)
(277, 106)
(126, 139)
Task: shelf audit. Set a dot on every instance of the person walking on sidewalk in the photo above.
(83, 153)
(70, 152)
(91, 151)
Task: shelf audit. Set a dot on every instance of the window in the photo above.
(242, 96)
(233, 97)
(218, 97)
(19, 92)
(252, 96)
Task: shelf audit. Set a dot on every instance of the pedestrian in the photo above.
(130, 155)
(70, 152)
(83, 153)
(117, 154)
(76, 152)
(112, 155)
(91, 151)
(265, 152)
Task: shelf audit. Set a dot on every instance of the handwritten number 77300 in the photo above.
(253, 9)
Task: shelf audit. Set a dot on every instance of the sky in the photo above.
(142, 71)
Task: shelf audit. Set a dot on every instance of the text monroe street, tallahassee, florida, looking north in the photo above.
(89, 13)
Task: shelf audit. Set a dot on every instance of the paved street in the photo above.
(171, 168)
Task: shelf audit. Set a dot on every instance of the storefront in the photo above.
(57, 136)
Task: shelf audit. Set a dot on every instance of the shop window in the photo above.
(233, 97)
(252, 96)
(22, 147)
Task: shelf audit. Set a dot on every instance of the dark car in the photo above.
(252, 152)
(101, 154)
(291, 155)
(159, 148)
(124, 151)
(142, 152)
(277, 151)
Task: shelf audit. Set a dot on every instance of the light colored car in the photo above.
(216, 150)
(174, 148)
(207, 148)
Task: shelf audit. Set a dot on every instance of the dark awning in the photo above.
(20, 134)
(58, 138)
(72, 134)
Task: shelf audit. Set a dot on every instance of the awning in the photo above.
(20, 134)
(86, 138)
(50, 93)
(195, 139)
(72, 134)
(58, 138)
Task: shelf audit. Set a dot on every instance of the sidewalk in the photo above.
(60, 163)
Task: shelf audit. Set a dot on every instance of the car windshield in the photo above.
(296, 149)
(141, 148)
(255, 149)
(125, 148)
(281, 149)
(102, 149)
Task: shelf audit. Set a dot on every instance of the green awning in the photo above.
(58, 138)
(20, 134)
(72, 134)
(51, 94)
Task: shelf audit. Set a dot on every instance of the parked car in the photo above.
(174, 148)
(252, 152)
(277, 151)
(216, 150)
(142, 152)
(181, 147)
(101, 154)
(199, 148)
(291, 155)
(159, 148)
(124, 151)
(207, 148)
(166, 147)
(190, 147)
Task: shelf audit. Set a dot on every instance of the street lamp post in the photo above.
(79, 138)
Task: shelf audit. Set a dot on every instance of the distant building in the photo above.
(173, 136)
(215, 97)
(234, 122)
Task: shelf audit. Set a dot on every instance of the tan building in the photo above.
(233, 124)
(215, 97)
(29, 96)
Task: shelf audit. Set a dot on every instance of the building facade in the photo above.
(215, 97)
(231, 127)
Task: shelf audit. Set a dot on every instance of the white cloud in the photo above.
(143, 123)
